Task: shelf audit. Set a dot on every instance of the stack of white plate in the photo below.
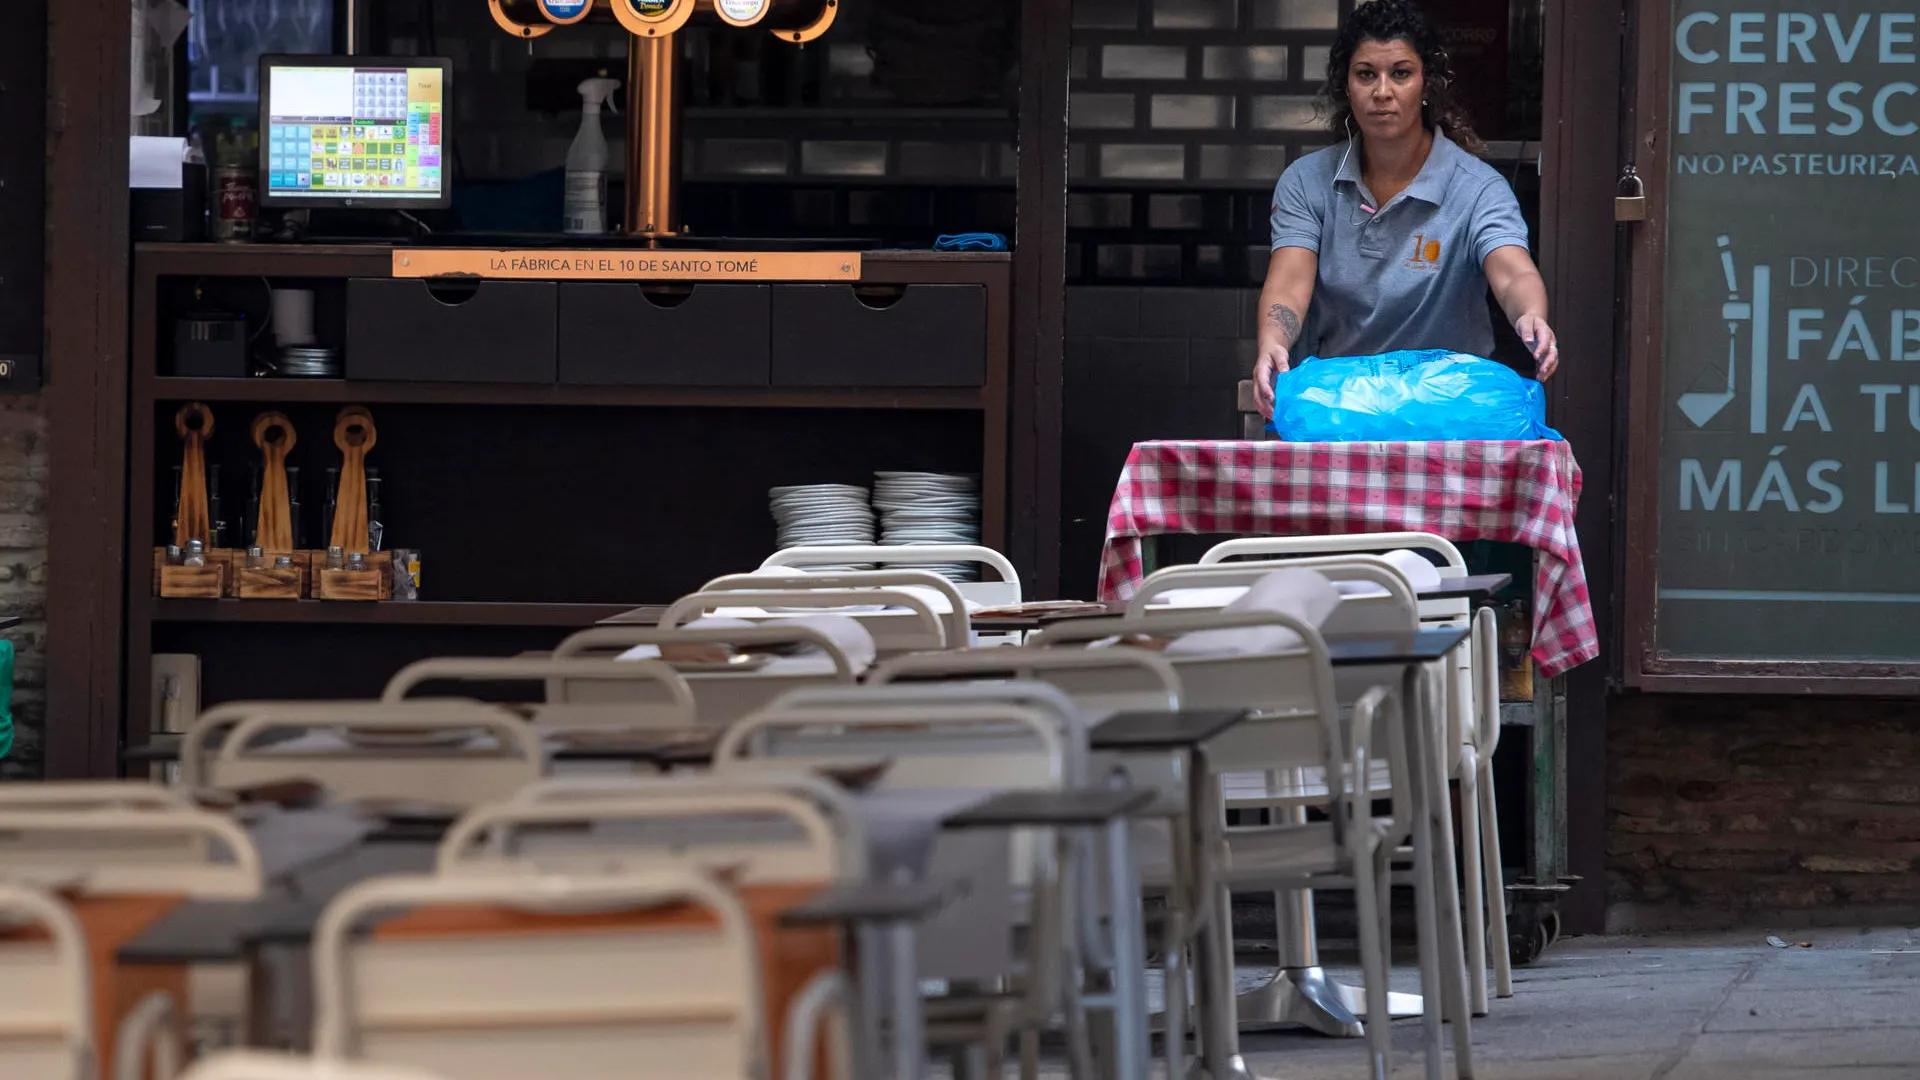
(813, 515)
(930, 508)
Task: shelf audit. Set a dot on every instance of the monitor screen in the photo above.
(353, 131)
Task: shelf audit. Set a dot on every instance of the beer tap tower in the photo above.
(653, 115)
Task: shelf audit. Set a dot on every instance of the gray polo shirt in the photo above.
(1408, 276)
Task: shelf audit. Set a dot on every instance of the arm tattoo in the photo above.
(1284, 319)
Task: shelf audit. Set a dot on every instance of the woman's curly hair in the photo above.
(1398, 20)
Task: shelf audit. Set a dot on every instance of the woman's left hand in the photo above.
(1540, 340)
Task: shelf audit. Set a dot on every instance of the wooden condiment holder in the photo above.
(271, 582)
(210, 582)
(373, 583)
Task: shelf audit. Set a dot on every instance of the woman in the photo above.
(1390, 239)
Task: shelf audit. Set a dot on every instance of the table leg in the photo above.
(262, 1001)
(909, 1027)
(1213, 953)
(870, 946)
(1426, 904)
(1133, 1045)
(1453, 968)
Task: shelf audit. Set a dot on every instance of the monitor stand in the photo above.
(336, 226)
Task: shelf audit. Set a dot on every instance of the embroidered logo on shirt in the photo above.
(1426, 255)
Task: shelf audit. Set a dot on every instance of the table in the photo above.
(1520, 492)
(1187, 733)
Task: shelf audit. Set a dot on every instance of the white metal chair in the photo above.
(1474, 722)
(257, 1065)
(460, 756)
(658, 697)
(985, 593)
(904, 610)
(761, 830)
(205, 733)
(720, 697)
(1297, 725)
(130, 837)
(1099, 682)
(584, 1002)
(118, 851)
(46, 1004)
(1283, 687)
(47, 1007)
(950, 745)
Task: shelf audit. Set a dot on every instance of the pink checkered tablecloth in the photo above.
(1520, 492)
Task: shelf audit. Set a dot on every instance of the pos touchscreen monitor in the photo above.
(355, 131)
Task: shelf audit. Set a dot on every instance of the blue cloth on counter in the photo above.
(1409, 396)
(973, 241)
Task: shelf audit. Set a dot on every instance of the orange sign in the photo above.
(614, 264)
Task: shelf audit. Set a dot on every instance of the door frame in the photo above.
(1647, 121)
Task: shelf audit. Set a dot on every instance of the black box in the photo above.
(172, 214)
(210, 347)
(617, 333)
(451, 330)
(927, 335)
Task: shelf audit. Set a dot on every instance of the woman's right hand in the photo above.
(1274, 359)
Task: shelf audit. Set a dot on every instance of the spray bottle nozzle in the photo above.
(598, 91)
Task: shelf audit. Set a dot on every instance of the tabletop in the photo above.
(1087, 806)
(1518, 492)
(1472, 587)
(1421, 647)
(222, 931)
(1163, 730)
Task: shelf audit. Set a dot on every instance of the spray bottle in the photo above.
(586, 206)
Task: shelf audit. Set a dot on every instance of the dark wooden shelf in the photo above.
(392, 612)
(455, 393)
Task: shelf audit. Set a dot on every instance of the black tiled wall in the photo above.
(1141, 363)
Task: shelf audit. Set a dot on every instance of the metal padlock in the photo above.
(1631, 203)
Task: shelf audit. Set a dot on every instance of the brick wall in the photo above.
(1745, 810)
(23, 572)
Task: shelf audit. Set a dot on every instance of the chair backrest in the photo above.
(565, 978)
(463, 757)
(1285, 688)
(1388, 606)
(259, 1065)
(659, 697)
(1098, 680)
(985, 593)
(1453, 563)
(719, 697)
(213, 725)
(953, 746)
(760, 831)
(1286, 549)
(111, 851)
(929, 601)
(46, 1002)
(984, 745)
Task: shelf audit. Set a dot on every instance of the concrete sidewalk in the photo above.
(1692, 1007)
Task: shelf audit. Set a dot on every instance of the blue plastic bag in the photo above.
(1409, 396)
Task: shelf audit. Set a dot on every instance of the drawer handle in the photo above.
(667, 297)
(453, 292)
(879, 297)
